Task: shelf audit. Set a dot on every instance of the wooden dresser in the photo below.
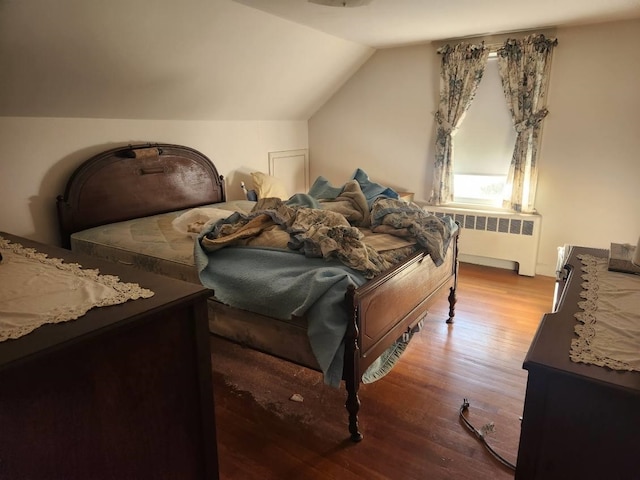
(580, 421)
(124, 392)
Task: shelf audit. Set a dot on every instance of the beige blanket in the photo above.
(351, 204)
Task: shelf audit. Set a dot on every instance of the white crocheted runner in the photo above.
(609, 329)
(35, 290)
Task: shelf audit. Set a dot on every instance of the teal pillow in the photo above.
(322, 189)
(371, 189)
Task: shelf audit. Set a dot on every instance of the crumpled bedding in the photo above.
(298, 257)
(316, 233)
(329, 228)
(408, 220)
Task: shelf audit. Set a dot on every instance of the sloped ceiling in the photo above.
(392, 23)
(165, 59)
(225, 59)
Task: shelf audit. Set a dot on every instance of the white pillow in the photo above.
(268, 186)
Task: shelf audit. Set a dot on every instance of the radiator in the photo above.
(503, 236)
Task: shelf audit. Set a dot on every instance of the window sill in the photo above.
(474, 208)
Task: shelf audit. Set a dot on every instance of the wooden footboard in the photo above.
(388, 306)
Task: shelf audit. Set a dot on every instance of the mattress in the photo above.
(148, 243)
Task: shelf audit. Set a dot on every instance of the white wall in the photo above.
(589, 190)
(39, 154)
(382, 120)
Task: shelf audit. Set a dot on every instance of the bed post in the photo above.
(351, 372)
(452, 291)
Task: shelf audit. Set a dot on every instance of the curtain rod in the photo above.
(495, 41)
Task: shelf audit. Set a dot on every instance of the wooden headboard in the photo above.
(136, 181)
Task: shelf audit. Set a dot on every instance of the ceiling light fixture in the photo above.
(341, 3)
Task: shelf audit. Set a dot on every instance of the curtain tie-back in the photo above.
(531, 121)
(445, 125)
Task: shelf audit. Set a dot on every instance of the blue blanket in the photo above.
(294, 285)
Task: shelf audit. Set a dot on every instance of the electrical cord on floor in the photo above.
(481, 434)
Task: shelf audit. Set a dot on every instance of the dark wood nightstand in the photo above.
(123, 392)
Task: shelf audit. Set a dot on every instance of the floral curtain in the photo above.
(524, 67)
(461, 70)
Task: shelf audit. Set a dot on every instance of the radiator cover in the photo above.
(503, 236)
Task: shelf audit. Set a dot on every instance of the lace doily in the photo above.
(609, 329)
(36, 289)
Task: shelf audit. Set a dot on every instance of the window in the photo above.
(484, 144)
(478, 189)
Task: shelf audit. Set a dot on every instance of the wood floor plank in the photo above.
(410, 417)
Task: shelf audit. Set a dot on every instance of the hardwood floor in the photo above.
(410, 417)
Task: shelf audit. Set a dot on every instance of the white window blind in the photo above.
(484, 144)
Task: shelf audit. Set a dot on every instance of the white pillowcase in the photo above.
(268, 186)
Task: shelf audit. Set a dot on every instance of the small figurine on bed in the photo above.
(250, 194)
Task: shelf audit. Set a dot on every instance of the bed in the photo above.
(122, 205)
